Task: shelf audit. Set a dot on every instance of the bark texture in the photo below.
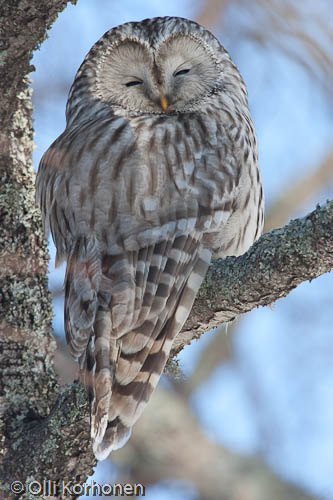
(28, 386)
(276, 264)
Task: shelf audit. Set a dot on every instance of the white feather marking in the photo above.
(102, 343)
(175, 254)
(206, 255)
(150, 204)
(181, 314)
(195, 281)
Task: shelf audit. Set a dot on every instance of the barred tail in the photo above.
(130, 394)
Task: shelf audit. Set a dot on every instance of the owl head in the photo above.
(164, 65)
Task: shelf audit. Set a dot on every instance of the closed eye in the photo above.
(134, 82)
(181, 72)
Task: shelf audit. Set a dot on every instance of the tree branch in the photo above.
(276, 264)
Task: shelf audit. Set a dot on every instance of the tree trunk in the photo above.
(31, 444)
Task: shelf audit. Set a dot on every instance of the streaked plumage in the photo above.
(155, 172)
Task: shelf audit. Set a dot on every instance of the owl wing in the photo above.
(133, 271)
(122, 313)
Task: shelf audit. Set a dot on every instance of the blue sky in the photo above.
(283, 355)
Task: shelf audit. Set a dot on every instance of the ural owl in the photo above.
(155, 172)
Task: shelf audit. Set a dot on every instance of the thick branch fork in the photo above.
(276, 264)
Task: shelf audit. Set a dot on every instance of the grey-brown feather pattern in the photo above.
(147, 181)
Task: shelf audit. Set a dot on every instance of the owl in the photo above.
(155, 173)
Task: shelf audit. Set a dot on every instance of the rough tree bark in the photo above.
(28, 387)
(276, 264)
(44, 431)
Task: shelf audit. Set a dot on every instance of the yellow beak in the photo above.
(164, 103)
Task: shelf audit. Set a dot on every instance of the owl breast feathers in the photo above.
(155, 172)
